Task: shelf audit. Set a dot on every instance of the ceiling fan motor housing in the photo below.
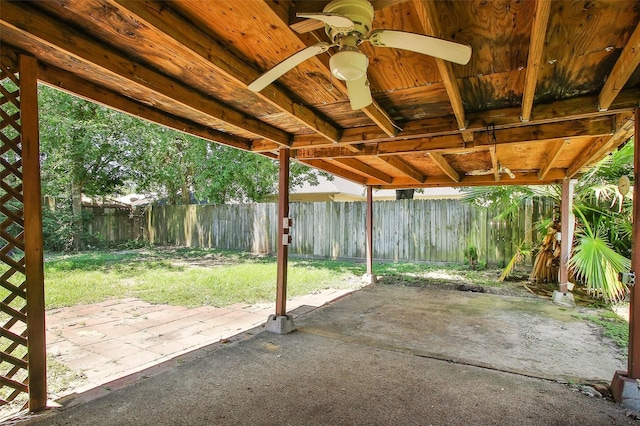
(359, 11)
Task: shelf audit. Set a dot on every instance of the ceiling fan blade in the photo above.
(291, 62)
(359, 93)
(331, 19)
(432, 46)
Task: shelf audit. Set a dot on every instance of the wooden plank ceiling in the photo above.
(549, 89)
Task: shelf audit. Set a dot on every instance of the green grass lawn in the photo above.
(194, 277)
(185, 277)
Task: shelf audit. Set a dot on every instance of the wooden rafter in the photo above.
(45, 35)
(65, 81)
(599, 148)
(550, 158)
(622, 70)
(375, 112)
(427, 14)
(263, 145)
(338, 171)
(360, 167)
(587, 155)
(454, 143)
(538, 32)
(445, 166)
(403, 166)
(528, 178)
(495, 165)
(154, 15)
(556, 112)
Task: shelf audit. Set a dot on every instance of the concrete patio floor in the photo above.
(382, 355)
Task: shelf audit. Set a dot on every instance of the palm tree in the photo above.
(602, 242)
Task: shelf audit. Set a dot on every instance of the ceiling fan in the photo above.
(348, 24)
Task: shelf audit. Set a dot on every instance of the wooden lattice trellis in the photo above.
(22, 354)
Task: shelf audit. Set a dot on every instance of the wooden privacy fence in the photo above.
(114, 224)
(411, 230)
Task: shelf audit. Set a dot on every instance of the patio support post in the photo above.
(34, 269)
(624, 385)
(281, 323)
(369, 277)
(567, 220)
(634, 306)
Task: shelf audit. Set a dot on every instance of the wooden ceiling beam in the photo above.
(365, 169)
(337, 152)
(412, 129)
(601, 147)
(454, 143)
(157, 16)
(536, 45)
(495, 165)
(335, 170)
(72, 84)
(560, 111)
(445, 166)
(528, 178)
(622, 71)
(263, 145)
(48, 36)
(585, 156)
(427, 14)
(550, 157)
(403, 166)
(375, 112)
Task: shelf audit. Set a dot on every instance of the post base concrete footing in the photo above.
(280, 324)
(369, 278)
(564, 299)
(626, 391)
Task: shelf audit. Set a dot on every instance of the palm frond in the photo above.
(522, 250)
(597, 264)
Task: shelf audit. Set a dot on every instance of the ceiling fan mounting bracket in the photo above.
(359, 11)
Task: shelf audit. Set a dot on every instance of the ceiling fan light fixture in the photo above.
(349, 65)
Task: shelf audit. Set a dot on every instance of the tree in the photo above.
(85, 149)
(225, 174)
(89, 149)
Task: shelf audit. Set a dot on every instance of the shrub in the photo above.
(58, 227)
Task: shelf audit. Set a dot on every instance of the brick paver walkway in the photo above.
(112, 339)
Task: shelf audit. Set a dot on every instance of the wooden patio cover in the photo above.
(551, 88)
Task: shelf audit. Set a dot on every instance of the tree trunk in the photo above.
(185, 196)
(76, 209)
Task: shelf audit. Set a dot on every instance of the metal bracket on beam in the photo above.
(628, 278)
(287, 222)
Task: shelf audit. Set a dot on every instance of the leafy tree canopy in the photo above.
(97, 151)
